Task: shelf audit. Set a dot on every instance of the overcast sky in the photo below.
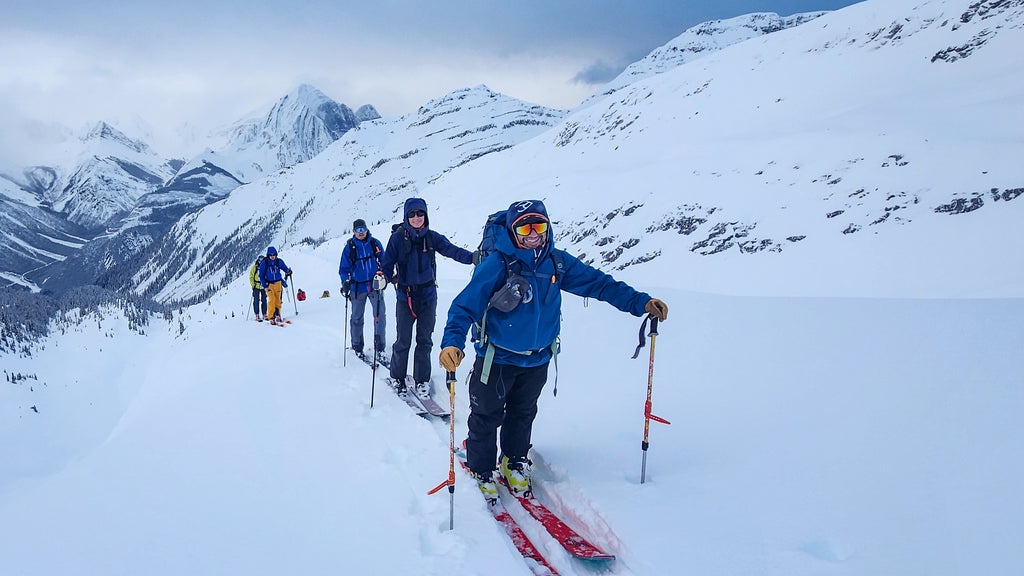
(181, 69)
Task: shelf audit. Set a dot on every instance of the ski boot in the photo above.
(516, 471)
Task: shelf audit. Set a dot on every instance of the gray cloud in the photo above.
(597, 73)
(177, 74)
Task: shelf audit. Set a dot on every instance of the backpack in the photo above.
(405, 248)
(352, 250)
(494, 225)
(300, 296)
(254, 272)
(507, 294)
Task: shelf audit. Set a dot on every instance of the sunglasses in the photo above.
(417, 214)
(360, 230)
(538, 227)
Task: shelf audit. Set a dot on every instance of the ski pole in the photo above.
(376, 316)
(294, 301)
(450, 482)
(648, 416)
(344, 343)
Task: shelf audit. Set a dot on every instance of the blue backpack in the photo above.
(494, 225)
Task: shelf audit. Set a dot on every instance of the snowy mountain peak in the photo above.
(103, 132)
(703, 39)
(296, 128)
(366, 113)
(308, 93)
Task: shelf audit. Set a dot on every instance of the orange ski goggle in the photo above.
(538, 227)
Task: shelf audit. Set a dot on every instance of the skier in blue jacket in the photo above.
(360, 263)
(515, 345)
(274, 282)
(409, 263)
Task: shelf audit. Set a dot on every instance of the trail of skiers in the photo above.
(512, 305)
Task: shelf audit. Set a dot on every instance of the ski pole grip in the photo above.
(449, 379)
(654, 326)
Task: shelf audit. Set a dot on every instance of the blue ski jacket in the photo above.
(270, 271)
(408, 260)
(524, 336)
(367, 262)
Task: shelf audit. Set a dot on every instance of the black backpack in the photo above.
(352, 250)
(405, 248)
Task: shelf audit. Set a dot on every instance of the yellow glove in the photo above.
(657, 308)
(451, 357)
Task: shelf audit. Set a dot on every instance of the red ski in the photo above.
(575, 544)
(537, 564)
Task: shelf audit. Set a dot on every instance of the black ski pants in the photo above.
(425, 315)
(508, 400)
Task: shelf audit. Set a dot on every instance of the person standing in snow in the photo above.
(519, 336)
(360, 264)
(274, 282)
(409, 263)
(259, 295)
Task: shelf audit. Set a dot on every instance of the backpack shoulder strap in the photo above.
(558, 259)
(352, 250)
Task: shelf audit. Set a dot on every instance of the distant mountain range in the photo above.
(819, 139)
(118, 195)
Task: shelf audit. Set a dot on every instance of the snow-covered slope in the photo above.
(703, 39)
(755, 156)
(32, 238)
(809, 437)
(871, 151)
(51, 212)
(368, 174)
(110, 175)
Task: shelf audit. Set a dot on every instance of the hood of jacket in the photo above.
(415, 204)
(507, 243)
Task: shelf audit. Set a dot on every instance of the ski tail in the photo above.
(533, 558)
(571, 540)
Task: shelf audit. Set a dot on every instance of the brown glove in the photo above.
(451, 357)
(657, 308)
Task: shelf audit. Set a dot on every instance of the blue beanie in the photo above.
(271, 250)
